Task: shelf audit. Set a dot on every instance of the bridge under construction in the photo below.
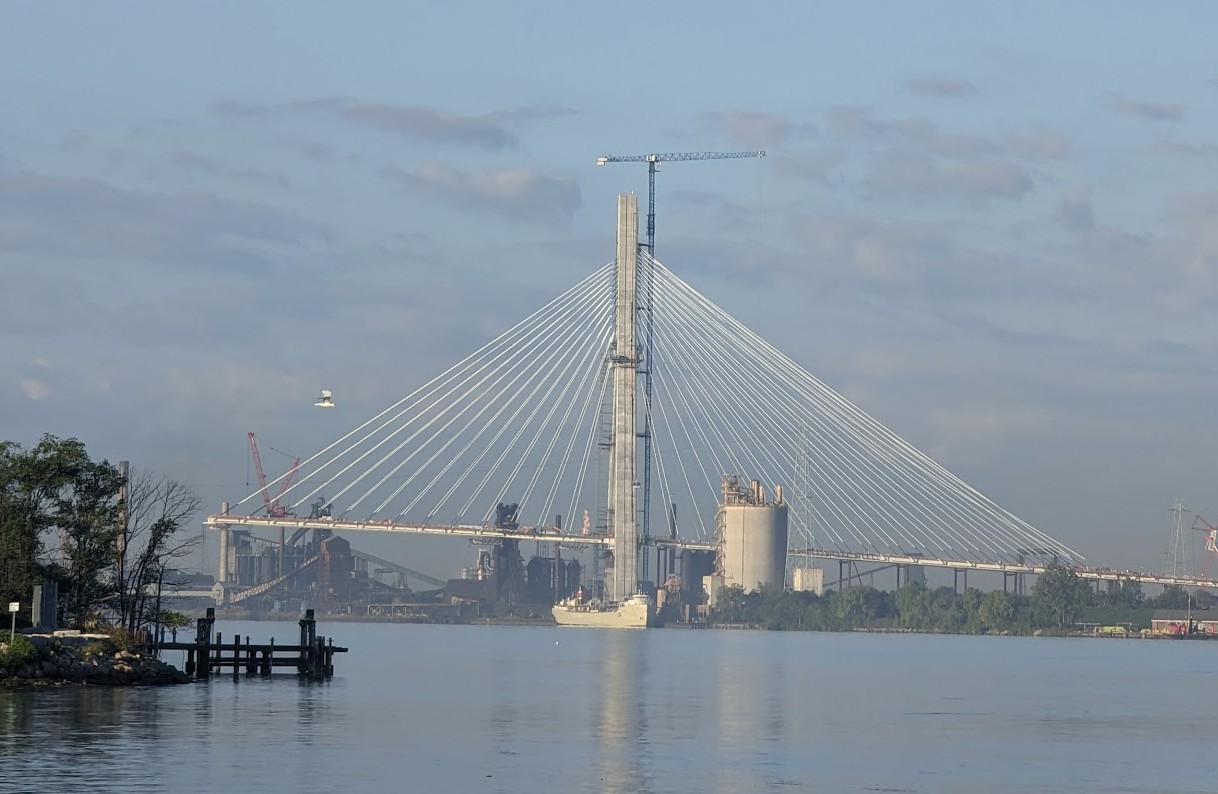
(632, 374)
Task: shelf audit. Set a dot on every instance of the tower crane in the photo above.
(273, 508)
(653, 163)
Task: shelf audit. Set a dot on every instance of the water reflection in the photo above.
(750, 705)
(621, 735)
(67, 735)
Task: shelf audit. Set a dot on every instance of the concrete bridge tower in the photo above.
(623, 462)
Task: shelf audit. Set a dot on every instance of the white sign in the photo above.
(14, 606)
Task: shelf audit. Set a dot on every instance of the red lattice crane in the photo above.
(273, 508)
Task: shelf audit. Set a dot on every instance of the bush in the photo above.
(17, 651)
(120, 638)
(99, 648)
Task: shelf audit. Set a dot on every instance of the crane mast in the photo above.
(653, 162)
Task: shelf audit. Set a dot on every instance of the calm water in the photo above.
(499, 709)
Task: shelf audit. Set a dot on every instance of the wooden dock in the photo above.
(312, 658)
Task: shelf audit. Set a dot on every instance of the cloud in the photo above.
(316, 151)
(35, 389)
(1149, 110)
(940, 87)
(859, 127)
(1040, 145)
(422, 124)
(812, 166)
(903, 174)
(520, 193)
(89, 219)
(201, 164)
(1193, 256)
(1075, 213)
(753, 128)
(875, 255)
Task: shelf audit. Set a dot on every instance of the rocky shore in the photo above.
(82, 659)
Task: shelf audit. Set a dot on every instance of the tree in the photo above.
(86, 517)
(996, 610)
(148, 544)
(855, 606)
(56, 521)
(731, 604)
(1058, 596)
(913, 606)
(1173, 597)
(1128, 595)
(168, 619)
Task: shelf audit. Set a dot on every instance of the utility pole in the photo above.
(653, 163)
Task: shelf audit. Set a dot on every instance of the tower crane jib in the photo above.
(653, 161)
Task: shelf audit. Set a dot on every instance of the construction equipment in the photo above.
(273, 508)
(653, 162)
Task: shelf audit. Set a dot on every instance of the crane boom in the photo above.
(675, 157)
(273, 508)
(653, 161)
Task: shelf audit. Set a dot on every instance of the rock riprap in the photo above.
(76, 658)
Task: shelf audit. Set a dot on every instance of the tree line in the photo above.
(1059, 600)
(109, 542)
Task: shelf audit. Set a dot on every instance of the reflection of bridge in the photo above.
(542, 423)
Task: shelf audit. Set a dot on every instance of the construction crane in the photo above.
(273, 508)
(653, 163)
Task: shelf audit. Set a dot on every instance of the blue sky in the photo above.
(994, 227)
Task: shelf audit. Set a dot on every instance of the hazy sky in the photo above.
(992, 226)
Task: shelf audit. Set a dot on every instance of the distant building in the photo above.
(808, 580)
(1176, 621)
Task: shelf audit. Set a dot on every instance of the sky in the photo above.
(994, 227)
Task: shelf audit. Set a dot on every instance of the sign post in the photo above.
(13, 607)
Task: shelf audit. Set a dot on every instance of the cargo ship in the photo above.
(635, 613)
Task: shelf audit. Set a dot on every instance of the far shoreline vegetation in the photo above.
(1059, 603)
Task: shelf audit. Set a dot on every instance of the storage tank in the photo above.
(751, 536)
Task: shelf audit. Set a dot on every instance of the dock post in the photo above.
(251, 662)
(201, 653)
(190, 663)
(308, 630)
(319, 659)
(236, 658)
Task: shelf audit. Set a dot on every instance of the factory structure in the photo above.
(320, 570)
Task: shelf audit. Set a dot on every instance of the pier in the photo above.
(312, 657)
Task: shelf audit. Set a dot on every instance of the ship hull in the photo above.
(634, 614)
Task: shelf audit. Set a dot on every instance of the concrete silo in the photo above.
(751, 536)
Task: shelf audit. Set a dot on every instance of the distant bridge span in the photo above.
(550, 535)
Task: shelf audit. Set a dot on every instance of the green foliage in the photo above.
(18, 650)
(99, 648)
(55, 502)
(1058, 597)
(996, 612)
(1172, 597)
(61, 520)
(120, 638)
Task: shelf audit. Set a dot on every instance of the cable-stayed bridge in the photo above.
(630, 396)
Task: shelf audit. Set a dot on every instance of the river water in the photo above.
(513, 709)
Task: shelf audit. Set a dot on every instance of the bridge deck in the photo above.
(549, 535)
